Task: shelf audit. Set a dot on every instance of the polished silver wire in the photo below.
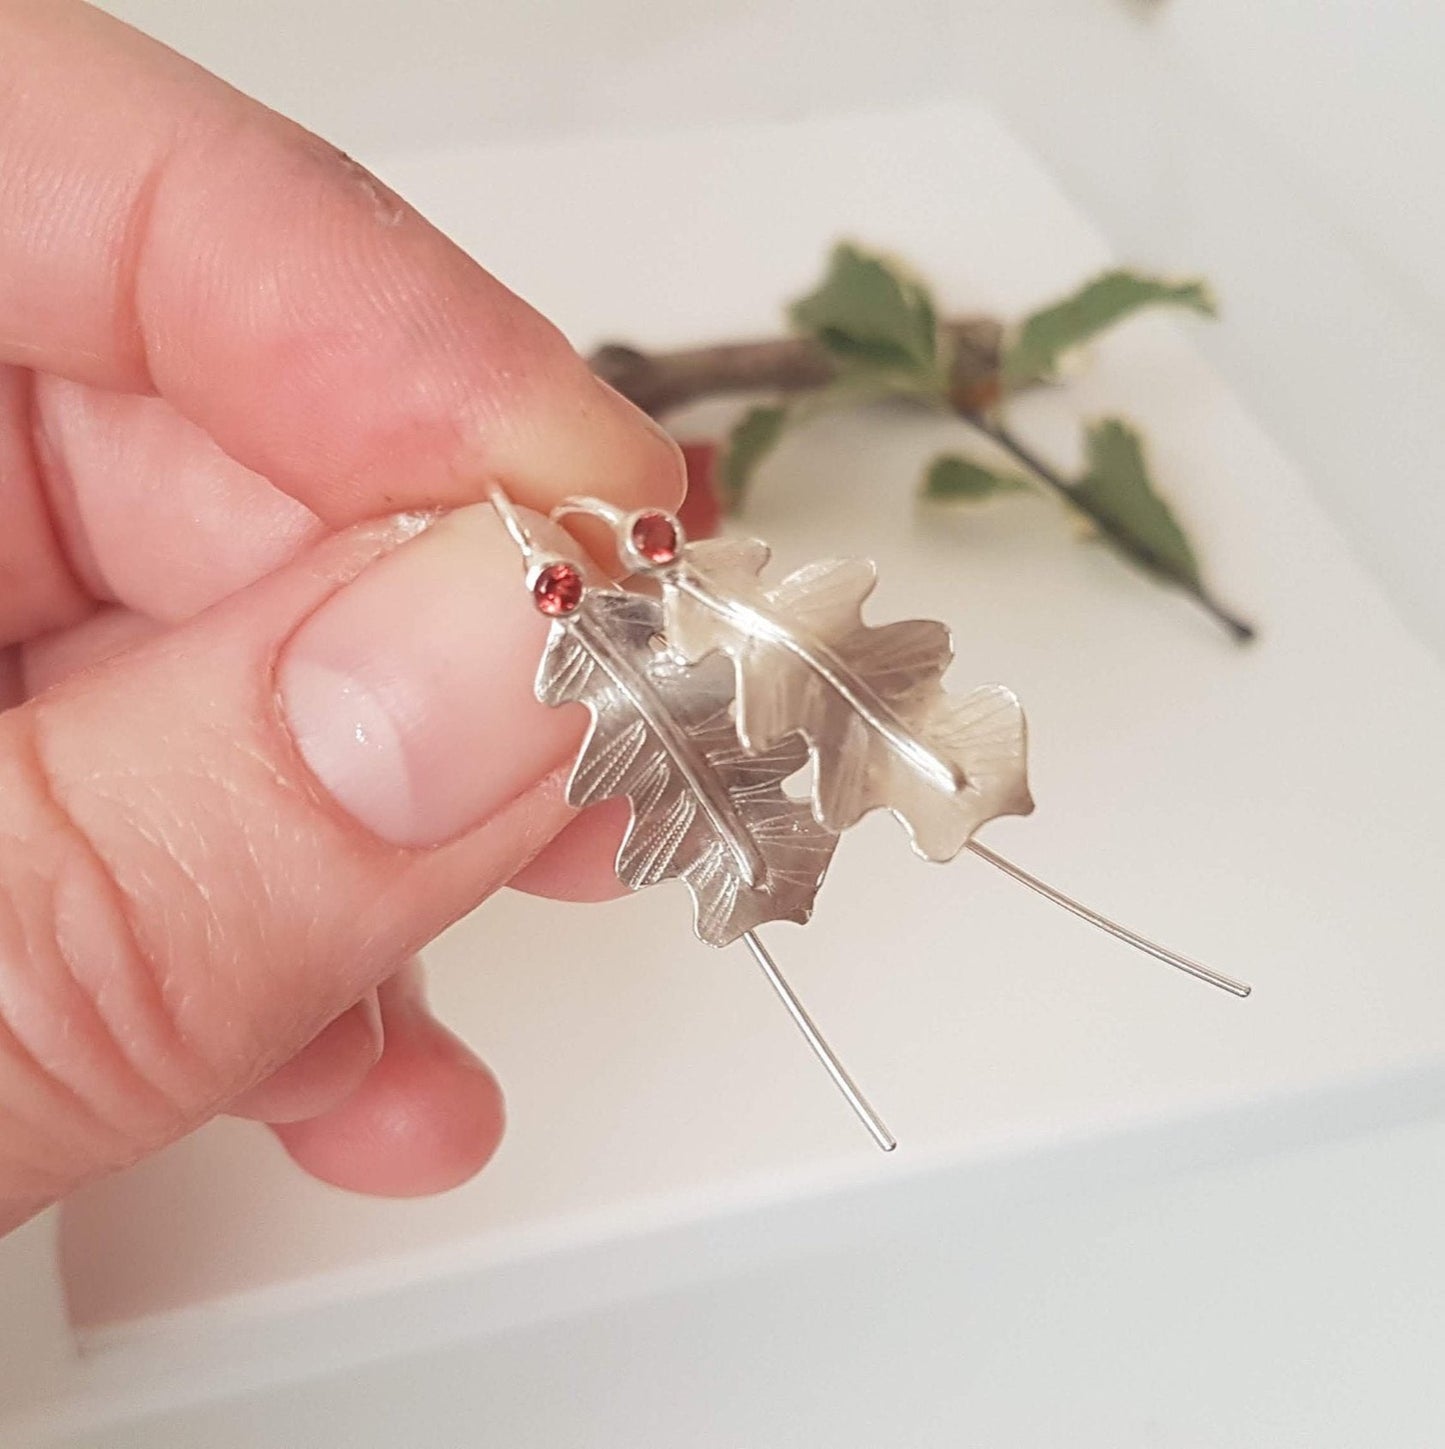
(805, 1024)
(512, 522)
(588, 507)
(1123, 933)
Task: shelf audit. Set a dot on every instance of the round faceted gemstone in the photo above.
(558, 589)
(654, 536)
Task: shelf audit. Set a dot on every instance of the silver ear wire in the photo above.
(845, 1084)
(586, 505)
(630, 530)
(1123, 933)
(944, 766)
(704, 810)
(557, 584)
(512, 521)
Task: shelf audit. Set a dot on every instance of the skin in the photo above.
(225, 349)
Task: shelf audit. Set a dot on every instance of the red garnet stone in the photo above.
(654, 536)
(558, 589)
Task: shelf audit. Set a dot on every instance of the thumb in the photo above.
(211, 845)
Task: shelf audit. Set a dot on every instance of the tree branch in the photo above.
(997, 433)
(658, 382)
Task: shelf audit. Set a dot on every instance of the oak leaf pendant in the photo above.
(870, 700)
(705, 809)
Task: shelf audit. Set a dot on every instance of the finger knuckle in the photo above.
(95, 1069)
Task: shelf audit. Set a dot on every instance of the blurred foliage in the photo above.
(879, 325)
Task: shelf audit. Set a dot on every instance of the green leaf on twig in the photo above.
(752, 439)
(1044, 338)
(874, 318)
(1116, 490)
(951, 479)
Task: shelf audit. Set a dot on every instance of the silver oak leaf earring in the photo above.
(869, 700)
(705, 809)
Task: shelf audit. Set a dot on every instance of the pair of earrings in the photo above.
(705, 700)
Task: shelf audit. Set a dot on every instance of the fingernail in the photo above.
(409, 692)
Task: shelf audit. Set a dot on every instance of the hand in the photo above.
(269, 726)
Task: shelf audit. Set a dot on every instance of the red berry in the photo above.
(701, 511)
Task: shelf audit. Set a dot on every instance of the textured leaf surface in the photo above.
(870, 700)
(873, 317)
(704, 810)
(1116, 485)
(1044, 338)
(951, 479)
(754, 437)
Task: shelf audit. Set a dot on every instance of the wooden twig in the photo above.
(658, 382)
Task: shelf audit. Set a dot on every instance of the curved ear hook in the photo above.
(512, 522)
(591, 508)
(648, 539)
(556, 584)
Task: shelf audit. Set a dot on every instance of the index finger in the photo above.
(160, 232)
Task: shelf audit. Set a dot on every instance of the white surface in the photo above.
(1293, 1303)
(37, 1348)
(1289, 149)
(1275, 811)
